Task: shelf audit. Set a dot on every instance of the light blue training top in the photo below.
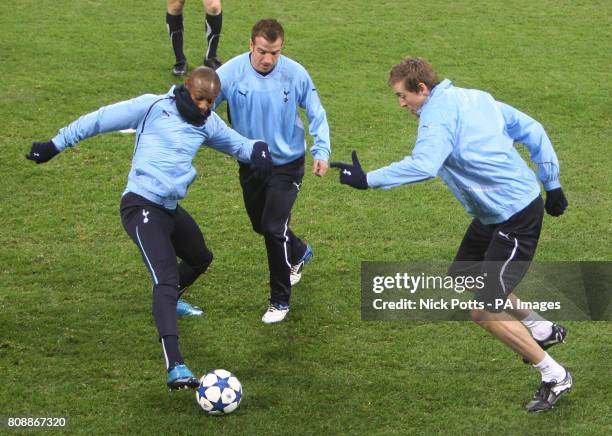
(267, 106)
(467, 138)
(165, 144)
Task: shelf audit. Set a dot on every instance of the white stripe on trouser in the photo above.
(165, 354)
(285, 243)
(146, 257)
(501, 273)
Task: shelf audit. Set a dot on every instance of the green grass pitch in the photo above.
(76, 334)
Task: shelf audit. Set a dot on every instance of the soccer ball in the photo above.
(219, 392)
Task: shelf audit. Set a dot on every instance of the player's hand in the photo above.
(42, 152)
(556, 203)
(261, 160)
(319, 168)
(352, 175)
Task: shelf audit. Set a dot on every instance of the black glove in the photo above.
(352, 175)
(42, 152)
(261, 160)
(556, 203)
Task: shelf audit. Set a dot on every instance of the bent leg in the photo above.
(511, 332)
(190, 246)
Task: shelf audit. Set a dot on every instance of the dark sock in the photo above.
(171, 352)
(213, 33)
(175, 31)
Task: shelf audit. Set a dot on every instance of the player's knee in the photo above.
(481, 316)
(166, 274)
(478, 315)
(167, 287)
(203, 262)
(213, 10)
(213, 7)
(175, 7)
(257, 228)
(164, 296)
(273, 230)
(208, 258)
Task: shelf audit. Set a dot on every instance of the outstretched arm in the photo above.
(124, 115)
(352, 174)
(118, 116)
(433, 146)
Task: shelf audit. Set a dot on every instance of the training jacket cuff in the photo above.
(321, 155)
(549, 186)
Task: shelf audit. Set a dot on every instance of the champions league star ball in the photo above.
(219, 392)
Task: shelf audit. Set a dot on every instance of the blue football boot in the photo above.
(180, 377)
(183, 308)
(296, 270)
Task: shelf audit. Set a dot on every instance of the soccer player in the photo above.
(264, 91)
(214, 21)
(467, 138)
(170, 129)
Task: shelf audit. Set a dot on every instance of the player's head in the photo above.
(204, 86)
(267, 38)
(194, 99)
(412, 81)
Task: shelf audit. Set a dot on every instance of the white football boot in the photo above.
(275, 313)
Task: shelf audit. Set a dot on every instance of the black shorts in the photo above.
(500, 253)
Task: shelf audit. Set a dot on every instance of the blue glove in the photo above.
(556, 203)
(352, 175)
(42, 152)
(261, 160)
